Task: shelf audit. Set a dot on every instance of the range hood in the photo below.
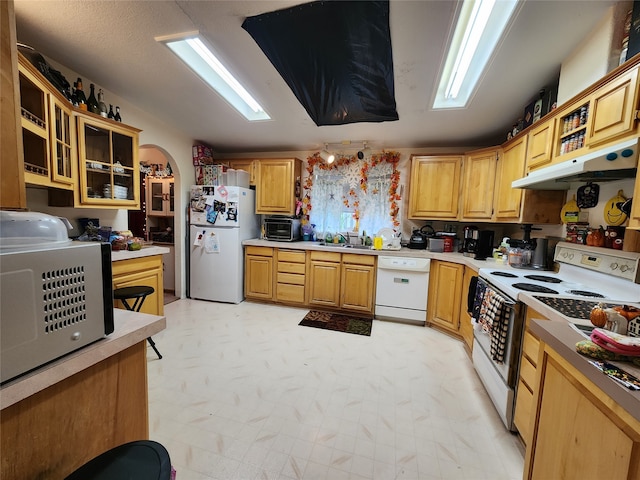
(615, 162)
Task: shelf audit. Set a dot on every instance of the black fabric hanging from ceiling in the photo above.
(335, 56)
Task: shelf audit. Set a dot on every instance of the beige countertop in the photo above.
(130, 328)
(562, 338)
(403, 252)
(143, 252)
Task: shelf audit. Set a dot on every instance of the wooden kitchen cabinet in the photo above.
(466, 327)
(278, 185)
(434, 187)
(540, 144)
(508, 200)
(514, 205)
(246, 165)
(160, 197)
(634, 217)
(445, 295)
(577, 430)
(324, 279)
(109, 165)
(527, 379)
(613, 110)
(479, 178)
(290, 276)
(258, 273)
(358, 282)
(146, 271)
(12, 188)
(48, 131)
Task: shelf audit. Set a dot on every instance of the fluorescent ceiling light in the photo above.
(480, 26)
(193, 52)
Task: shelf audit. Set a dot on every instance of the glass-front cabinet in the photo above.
(160, 197)
(109, 165)
(63, 141)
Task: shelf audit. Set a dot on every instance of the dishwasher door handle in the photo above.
(400, 280)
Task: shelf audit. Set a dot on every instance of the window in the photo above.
(352, 195)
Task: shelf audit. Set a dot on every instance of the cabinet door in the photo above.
(540, 144)
(466, 327)
(324, 283)
(445, 292)
(12, 189)
(634, 218)
(277, 186)
(145, 271)
(358, 284)
(258, 277)
(508, 200)
(434, 187)
(614, 108)
(478, 184)
(63, 144)
(159, 197)
(247, 165)
(109, 166)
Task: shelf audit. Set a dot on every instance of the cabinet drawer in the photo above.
(527, 373)
(261, 251)
(523, 412)
(358, 259)
(326, 256)
(290, 293)
(288, 267)
(291, 256)
(531, 347)
(291, 278)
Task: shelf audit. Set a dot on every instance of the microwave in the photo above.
(55, 300)
(282, 229)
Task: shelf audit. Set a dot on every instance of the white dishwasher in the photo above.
(401, 288)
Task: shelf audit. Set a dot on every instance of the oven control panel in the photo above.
(611, 262)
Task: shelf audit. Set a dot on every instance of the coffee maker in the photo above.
(470, 242)
(484, 245)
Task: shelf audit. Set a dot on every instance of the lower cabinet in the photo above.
(321, 279)
(578, 431)
(445, 294)
(324, 279)
(358, 282)
(466, 327)
(526, 382)
(258, 273)
(145, 271)
(290, 276)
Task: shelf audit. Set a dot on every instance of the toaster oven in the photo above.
(55, 298)
(282, 229)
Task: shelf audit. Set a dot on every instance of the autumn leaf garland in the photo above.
(351, 200)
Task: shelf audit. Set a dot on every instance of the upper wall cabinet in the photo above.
(540, 144)
(278, 185)
(247, 165)
(479, 177)
(434, 189)
(109, 164)
(160, 197)
(48, 132)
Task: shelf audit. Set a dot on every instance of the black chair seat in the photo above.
(139, 460)
(138, 294)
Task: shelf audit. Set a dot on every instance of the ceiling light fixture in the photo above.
(480, 26)
(190, 48)
(365, 150)
(326, 156)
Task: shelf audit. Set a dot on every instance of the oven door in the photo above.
(498, 378)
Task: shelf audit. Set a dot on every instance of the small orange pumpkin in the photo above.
(598, 316)
(595, 238)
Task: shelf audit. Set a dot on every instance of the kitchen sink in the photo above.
(342, 245)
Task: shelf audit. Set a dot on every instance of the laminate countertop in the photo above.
(130, 328)
(453, 257)
(118, 255)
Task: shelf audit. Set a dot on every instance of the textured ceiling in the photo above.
(112, 43)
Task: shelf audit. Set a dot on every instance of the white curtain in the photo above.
(337, 194)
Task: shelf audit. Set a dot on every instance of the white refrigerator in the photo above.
(220, 218)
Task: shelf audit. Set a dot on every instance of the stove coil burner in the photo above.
(584, 293)
(504, 274)
(530, 287)
(543, 278)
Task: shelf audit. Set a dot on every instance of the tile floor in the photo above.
(244, 392)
